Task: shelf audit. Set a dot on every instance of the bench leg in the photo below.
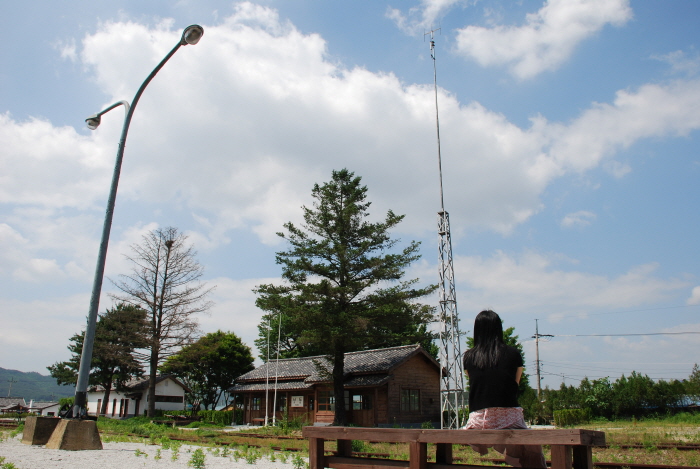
(344, 448)
(418, 458)
(561, 457)
(583, 457)
(316, 456)
(443, 453)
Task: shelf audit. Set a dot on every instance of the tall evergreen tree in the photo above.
(118, 333)
(344, 289)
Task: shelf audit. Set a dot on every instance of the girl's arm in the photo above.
(518, 374)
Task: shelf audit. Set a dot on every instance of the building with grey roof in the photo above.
(396, 385)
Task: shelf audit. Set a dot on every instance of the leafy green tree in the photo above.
(118, 333)
(344, 289)
(692, 384)
(210, 365)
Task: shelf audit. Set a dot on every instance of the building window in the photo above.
(361, 402)
(255, 403)
(281, 403)
(326, 401)
(410, 400)
(170, 398)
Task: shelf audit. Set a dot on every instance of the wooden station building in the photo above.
(383, 387)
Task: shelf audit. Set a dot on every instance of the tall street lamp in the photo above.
(191, 35)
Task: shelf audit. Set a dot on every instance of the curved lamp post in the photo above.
(191, 35)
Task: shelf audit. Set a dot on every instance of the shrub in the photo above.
(569, 417)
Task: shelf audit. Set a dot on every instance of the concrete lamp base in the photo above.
(75, 435)
(38, 430)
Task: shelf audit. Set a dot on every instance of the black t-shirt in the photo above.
(495, 387)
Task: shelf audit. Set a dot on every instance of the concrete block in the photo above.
(38, 430)
(75, 435)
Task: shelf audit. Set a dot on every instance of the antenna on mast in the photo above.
(451, 367)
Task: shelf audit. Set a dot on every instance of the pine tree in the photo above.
(118, 333)
(344, 289)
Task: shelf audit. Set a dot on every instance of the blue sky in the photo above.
(569, 134)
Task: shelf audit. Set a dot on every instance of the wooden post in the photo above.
(344, 448)
(443, 453)
(583, 457)
(418, 458)
(316, 456)
(561, 457)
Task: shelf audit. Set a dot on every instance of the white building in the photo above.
(132, 399)
(47, 409)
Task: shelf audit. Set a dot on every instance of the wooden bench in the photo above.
(569, 448)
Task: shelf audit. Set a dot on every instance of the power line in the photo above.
(625, 335)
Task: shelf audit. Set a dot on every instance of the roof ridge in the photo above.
(384, 349)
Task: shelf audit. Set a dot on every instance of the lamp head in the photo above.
(192, 34)
(93, 121)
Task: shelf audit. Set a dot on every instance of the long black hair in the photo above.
(488, 341)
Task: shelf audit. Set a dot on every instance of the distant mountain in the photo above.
(32, 386)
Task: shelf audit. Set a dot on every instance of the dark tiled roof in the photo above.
(280, 385)
(377, 362)
(12, 401)
(370, 380)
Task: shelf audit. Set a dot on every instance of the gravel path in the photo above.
(120, 456)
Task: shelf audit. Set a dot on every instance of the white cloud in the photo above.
(681, 62)
(41, 329)
(535, 282)
(604, 129)
(547, 38)
(578, 219)
(694, 297)
(237, 129)
(421, 18)
(235, 309)
(49, 167)
(37, 270)
(68, 50)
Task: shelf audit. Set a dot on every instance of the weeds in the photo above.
(283, 457)
(197, 461)
(140, 453)
(175, 448)
(252, 456)
(298, 462)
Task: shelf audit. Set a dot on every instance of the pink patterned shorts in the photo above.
(496, 418)
(501, 418)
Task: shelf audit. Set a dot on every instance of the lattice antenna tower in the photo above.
(451, 368)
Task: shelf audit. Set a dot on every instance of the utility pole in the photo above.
(537, 356)
(11, 380)
(451, 367)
